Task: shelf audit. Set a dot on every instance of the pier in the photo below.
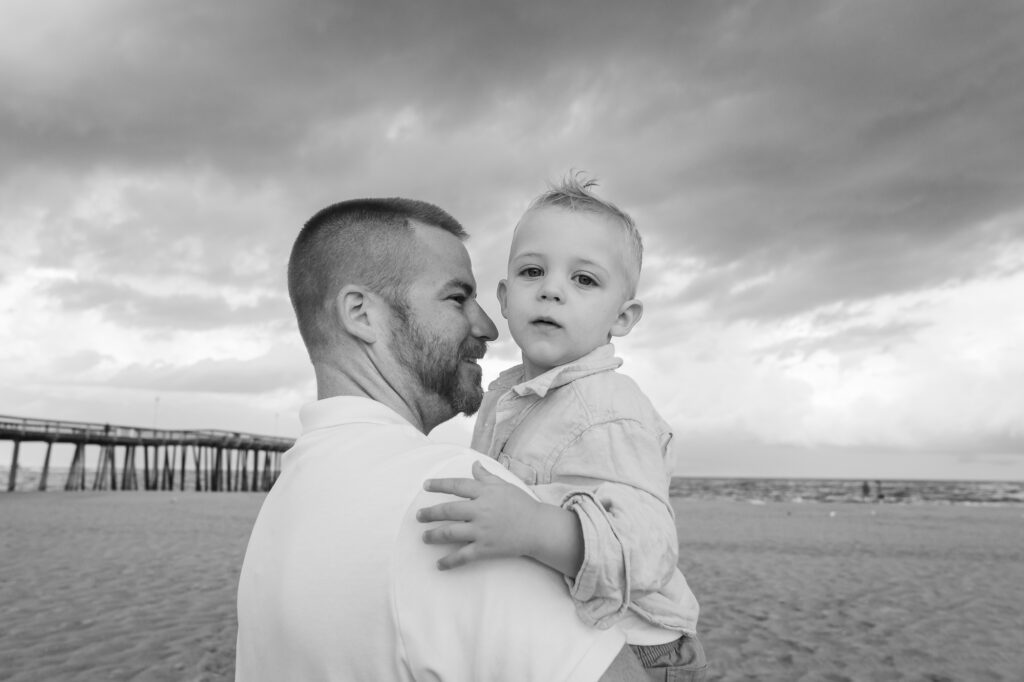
(204, 460)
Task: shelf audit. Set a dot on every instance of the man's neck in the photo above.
(422, 412)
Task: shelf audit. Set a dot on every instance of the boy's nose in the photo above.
(550, 292)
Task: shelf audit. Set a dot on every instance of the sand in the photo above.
(857, 591)
(141, 586)
(121, 585)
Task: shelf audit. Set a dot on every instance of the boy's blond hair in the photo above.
(573, 194)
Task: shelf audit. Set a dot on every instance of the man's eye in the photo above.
(458, 298)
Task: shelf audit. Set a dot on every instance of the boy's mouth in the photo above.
(545, 323)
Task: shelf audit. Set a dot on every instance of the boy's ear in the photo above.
(629, 314)
(357, 312)
(503, 297)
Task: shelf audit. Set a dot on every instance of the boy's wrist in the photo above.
(535, 523)
(557, 538)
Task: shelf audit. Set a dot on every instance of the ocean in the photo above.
(841, 490)
(742, 489)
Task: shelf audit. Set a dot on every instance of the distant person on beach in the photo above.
(583, 436)
(336, 581)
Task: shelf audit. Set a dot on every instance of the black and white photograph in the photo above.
(463, 341)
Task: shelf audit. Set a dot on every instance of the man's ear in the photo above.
(356, 311)
(503, 297)
(629, 314)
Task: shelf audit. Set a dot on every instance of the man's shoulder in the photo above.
(456, 461)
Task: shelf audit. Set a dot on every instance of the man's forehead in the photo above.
(444, 261)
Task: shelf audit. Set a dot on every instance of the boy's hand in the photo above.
(496, 519)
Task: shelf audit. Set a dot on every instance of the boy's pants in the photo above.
(680, 661)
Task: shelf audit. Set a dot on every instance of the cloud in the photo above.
(793, 144)
(852, 340)
(78, 362)
(131, 307)
(826, 191)
(279, 369)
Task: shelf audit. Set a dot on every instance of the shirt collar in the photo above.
(346, 409)
(601, 359)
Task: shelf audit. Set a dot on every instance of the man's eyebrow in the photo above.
(456, 283)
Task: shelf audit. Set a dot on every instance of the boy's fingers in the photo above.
(481, 473)
(459, 557)
(446, 511)
(463, 487)
(448, 535)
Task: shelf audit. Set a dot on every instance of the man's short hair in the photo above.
(368, 242)
(573, 194)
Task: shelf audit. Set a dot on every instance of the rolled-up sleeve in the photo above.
(613, 477)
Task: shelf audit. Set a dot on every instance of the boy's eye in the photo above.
(585, 280)
(531, 271)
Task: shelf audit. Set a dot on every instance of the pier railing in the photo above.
(220, 459)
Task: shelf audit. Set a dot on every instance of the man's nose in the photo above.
(481, 326)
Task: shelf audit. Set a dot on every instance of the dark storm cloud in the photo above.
(132, 308)
(867, 149)
(796, 277)
(237, 85)
(837, 151)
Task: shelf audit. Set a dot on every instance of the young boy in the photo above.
(583, 437)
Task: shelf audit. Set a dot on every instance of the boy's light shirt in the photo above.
(586, 438)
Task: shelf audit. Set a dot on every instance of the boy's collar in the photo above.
(601, 359)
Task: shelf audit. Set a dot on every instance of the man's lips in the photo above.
(472, 363)
(471, 356)
(472, 350)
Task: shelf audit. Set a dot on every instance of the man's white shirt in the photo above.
(337, 583)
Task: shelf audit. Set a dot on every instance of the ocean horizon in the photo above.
(878, 491)
(753, 490)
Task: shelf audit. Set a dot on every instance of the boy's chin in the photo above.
(537, 366)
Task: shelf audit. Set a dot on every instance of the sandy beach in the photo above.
(141, 586)
(857, 591)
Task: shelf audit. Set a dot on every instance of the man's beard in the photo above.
(437, 362)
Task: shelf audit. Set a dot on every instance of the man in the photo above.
(337, 583)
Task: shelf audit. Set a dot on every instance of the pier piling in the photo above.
(212, 452)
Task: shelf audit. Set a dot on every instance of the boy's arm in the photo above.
(498, 519)
(613, 476)
(612, 479)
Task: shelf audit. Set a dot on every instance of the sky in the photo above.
(831, 196)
